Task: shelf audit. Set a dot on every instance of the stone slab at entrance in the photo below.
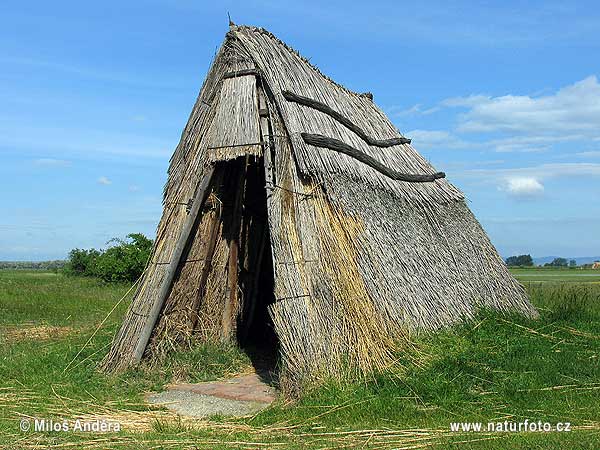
(238, 396)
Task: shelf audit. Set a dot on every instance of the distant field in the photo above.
(493, 369)
(543, 274)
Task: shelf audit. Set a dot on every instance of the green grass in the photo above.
(553, 274)
(494, 369)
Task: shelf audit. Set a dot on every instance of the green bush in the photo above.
(81, 261)
(123, 260)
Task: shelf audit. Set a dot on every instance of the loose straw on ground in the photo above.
(104, 321)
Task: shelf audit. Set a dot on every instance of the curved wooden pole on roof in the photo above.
(333, 144)
(311, 103)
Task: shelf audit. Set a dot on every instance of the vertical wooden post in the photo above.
(167, 282)
(207, 265)
(265, 130)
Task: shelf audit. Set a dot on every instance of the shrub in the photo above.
(81, 262)
(124, 260)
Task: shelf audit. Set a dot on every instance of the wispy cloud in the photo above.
(542, 171)
(518, 123)
(104, 181)
(469, 101)
(486, 24)
(572, 109)
(528, 182)
(400, 111)
(83, 143)
(531, 143)
(115, 75)
(430, 139)
(589, 154)
(51, 162)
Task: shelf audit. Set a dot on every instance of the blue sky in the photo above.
(502, 96)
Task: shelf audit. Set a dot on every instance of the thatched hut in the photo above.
(295, 211)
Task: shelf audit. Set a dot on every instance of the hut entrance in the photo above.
(250, 268)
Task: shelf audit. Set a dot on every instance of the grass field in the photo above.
(554, 275)
(492, 370)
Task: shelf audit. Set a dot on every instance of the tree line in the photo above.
(527, 261)
(33, 265)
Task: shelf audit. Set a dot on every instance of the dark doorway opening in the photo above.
(255, 331)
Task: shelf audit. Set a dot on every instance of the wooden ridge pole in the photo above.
(167, 283)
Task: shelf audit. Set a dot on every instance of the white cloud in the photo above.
(134, 188)
(557, 170)
(528, 181)
(520, 123)
(528, 144)
(400, 111)
(523, 187)
(104, 181)
(429, 136)
(426, 139)
(469, 101)
(572, 109)
(51, 162)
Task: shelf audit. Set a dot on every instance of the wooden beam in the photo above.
(240, 73)
(209, 254)
(334, 144)
(266, 132)
(325, 109)
(169, 276)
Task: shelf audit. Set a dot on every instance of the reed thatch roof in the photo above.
(310, 183)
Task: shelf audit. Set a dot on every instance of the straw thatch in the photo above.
(313, 187)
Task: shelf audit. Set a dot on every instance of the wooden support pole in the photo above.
(167, 282)
(267, 137)
(266, 133)
(209, 254)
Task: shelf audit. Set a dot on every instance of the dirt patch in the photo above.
(34, 332)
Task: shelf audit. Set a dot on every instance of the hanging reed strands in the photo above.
(368, 242)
